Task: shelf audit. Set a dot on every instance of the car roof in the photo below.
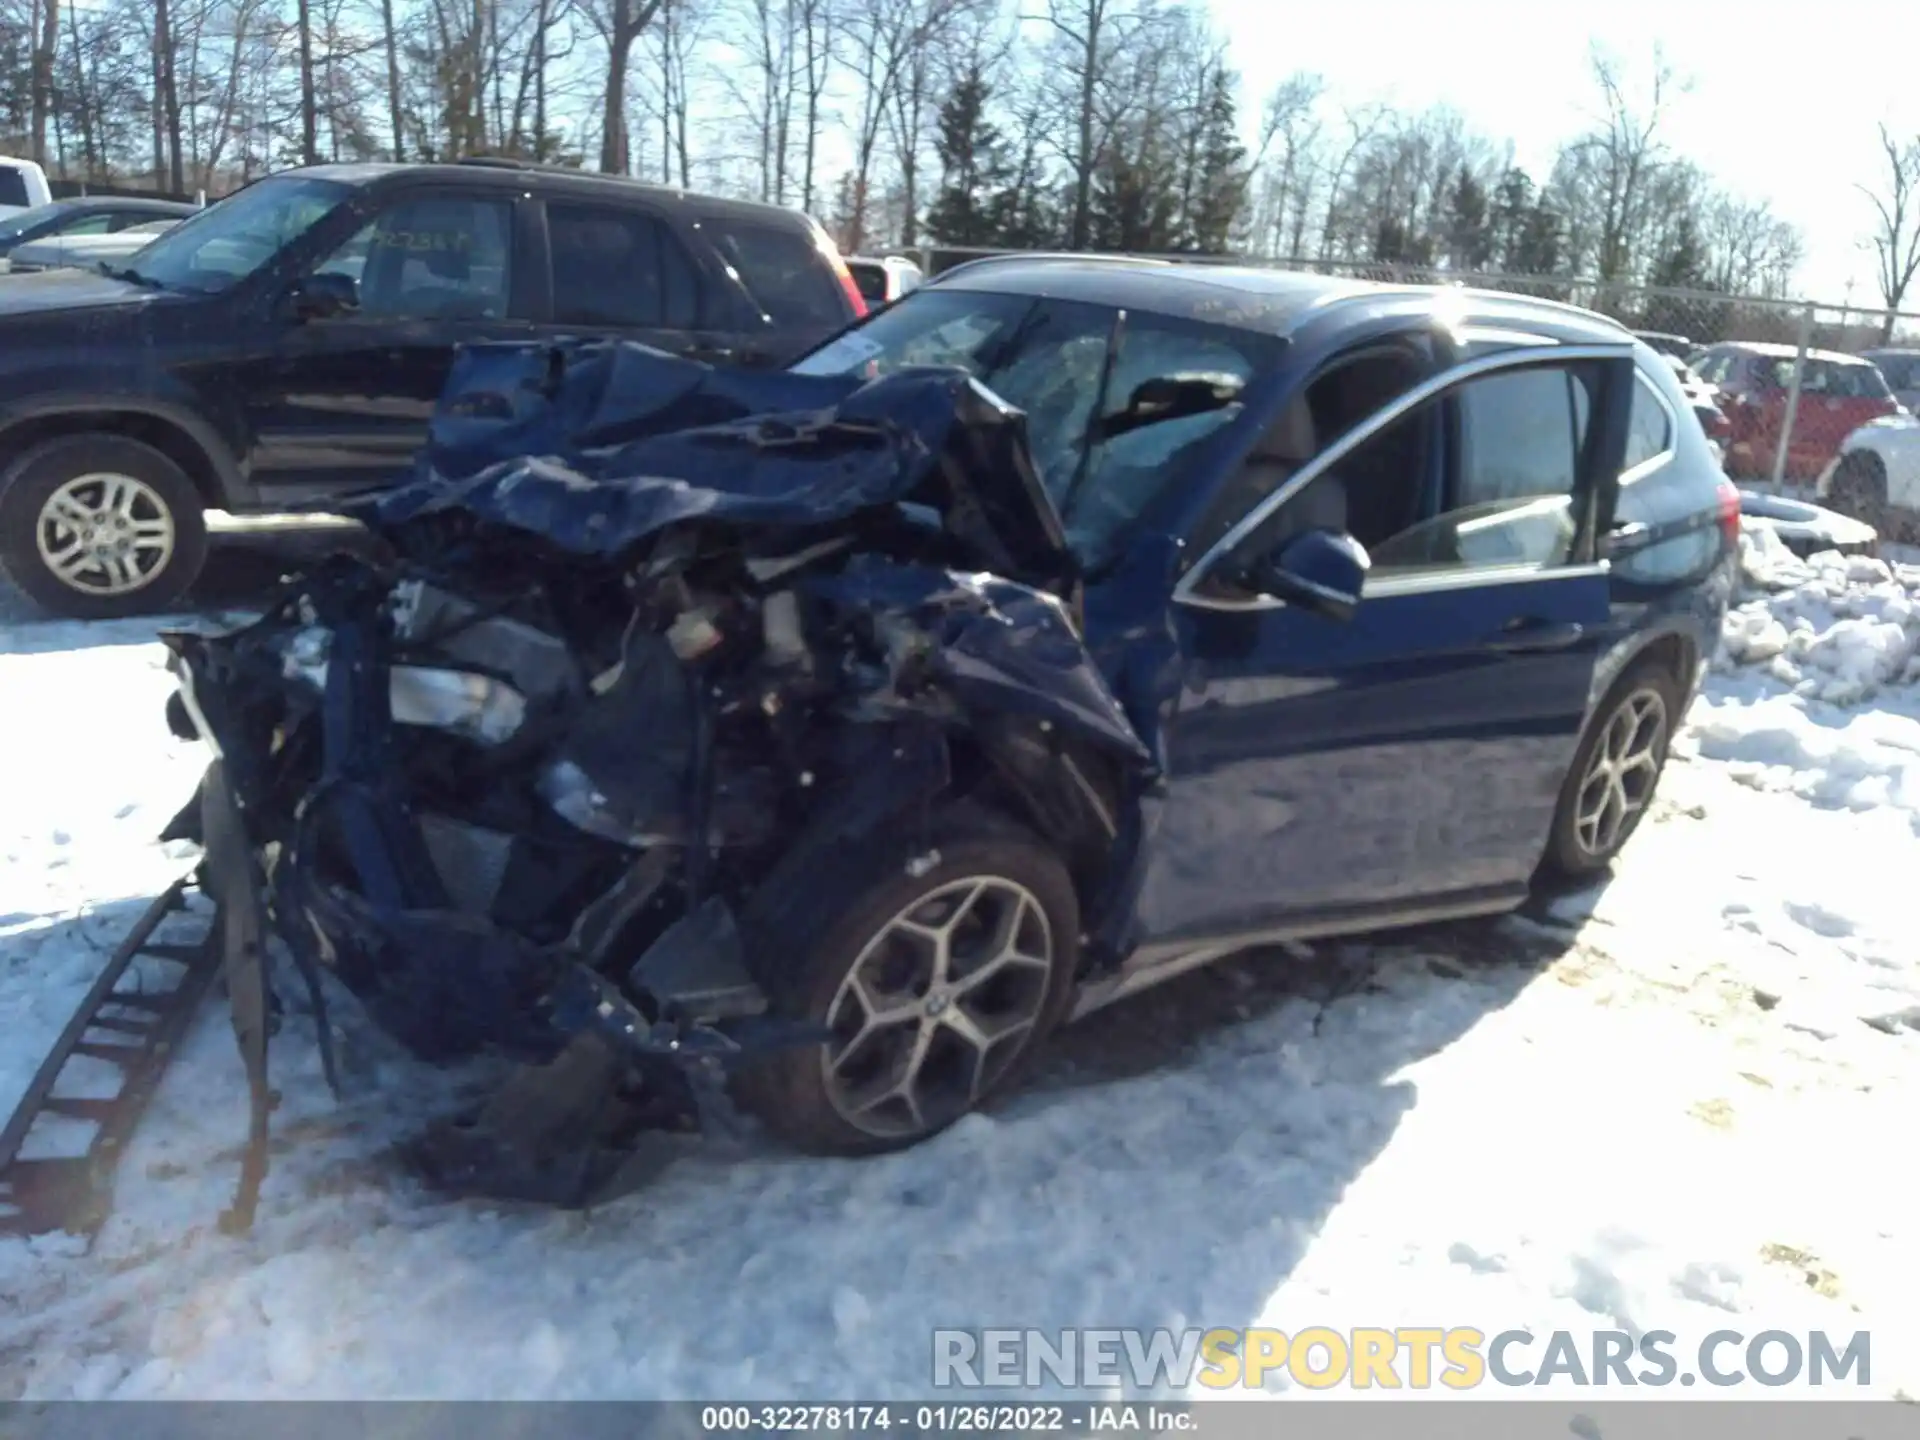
(1902, 350)
(1786, 352)
(1274, 302)
(479, 172)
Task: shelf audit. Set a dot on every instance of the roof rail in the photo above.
(1001, 257)
(511, 162)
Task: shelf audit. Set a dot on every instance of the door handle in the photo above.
(1628, 535)
(1526, 635)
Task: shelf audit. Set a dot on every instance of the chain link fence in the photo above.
(1779, 383)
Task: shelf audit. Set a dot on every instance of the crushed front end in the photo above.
(524, 779)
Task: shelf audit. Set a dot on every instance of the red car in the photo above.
(1838, 394)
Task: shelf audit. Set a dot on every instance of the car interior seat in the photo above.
(1280, 455)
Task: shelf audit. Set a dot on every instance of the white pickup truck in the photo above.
(23, 185)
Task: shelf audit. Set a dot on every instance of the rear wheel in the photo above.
(936, 987)
(98, 526)
(1610, 784)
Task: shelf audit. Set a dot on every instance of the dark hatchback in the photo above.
(288, 343)
(1066, 625)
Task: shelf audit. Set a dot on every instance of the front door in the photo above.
(343, 402)
(1411, 755)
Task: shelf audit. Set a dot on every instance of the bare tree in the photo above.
(1614, 165)
(619, 23)
(1088, 34)
(1896, 236)
(885, 40)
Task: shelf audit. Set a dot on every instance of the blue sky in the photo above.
(1783, 106)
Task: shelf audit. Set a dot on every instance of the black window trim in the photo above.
(1187, 590)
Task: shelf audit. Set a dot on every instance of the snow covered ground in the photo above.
(1683, 1101)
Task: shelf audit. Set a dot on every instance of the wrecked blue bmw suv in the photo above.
(1060, 627)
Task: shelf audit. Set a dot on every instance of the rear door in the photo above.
(1407, 760)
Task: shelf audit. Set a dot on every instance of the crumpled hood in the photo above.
(595, 447)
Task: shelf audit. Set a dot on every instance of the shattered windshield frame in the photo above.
(1051, 359)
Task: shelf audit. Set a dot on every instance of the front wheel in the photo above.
(95, 527)
(936, 982)
(1611, 782)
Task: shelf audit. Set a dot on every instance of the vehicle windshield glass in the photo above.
(222, 245)
(1048, 358)
(14, 226)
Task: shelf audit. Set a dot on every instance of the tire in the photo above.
(852, 897)
(1574, 852)
(146, 507)
(1859, 490)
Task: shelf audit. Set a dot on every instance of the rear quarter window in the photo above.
(871, 280)
(783, 271)
(13, 187)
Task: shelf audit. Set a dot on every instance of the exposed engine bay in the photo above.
(640, 644)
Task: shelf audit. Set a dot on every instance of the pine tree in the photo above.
(1507, 217)
(1683, 265)
(1470, 238)
(1135, 204)
(1537, 251)
(1220, 185)
(971, 208)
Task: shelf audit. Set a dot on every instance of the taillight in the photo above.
(840, 270)
(1729, 516)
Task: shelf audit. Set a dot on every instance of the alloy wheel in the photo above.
(1621, 773)
(105, 534)
(937, 1006)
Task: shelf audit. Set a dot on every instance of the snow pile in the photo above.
(1832, 627)
(1817, 684)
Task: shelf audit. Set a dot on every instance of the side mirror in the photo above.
(1319, 570)
(322, 296)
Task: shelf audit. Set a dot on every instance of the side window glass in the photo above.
(619, 267)
(98, 223)
(1519, 433)
(1499, 495)
(1649, 432)
(431, 259)
(1509, 488)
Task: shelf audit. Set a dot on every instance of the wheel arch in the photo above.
(184, 438)
(1671, 648)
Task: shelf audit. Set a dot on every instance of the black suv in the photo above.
(288, 344)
